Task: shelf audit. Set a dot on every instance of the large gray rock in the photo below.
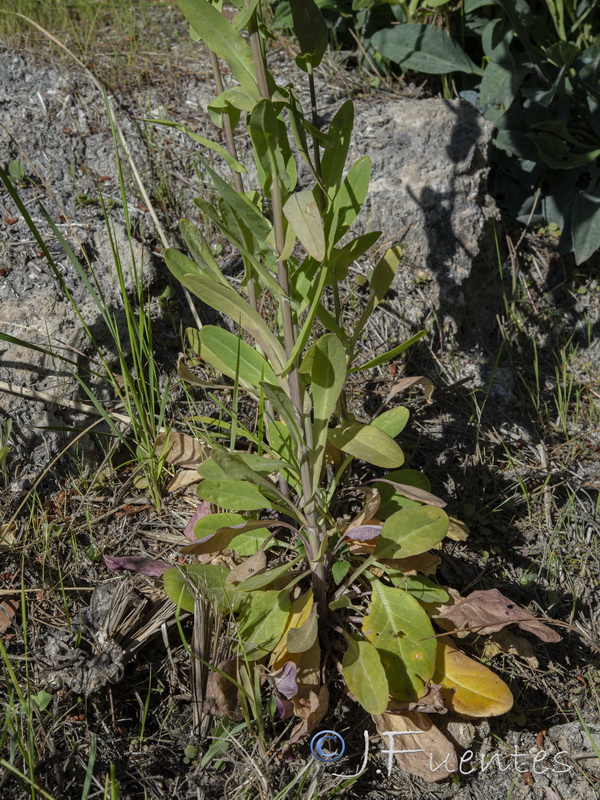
(428, 190)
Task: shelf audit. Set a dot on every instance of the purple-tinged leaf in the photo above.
(362, 533)
(139, 564)
(203, 509)
(285, 708)
(285, 680)
(221, 538)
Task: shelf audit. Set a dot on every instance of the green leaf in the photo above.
(556, 154)
(411, 531)
(339, 570)
(391, 499)
(222, 537)
(212, 522)
(264, 132)
(585, 225)
(228, 301)
(343, 257)
(367, 443)
(183, 584)
(499, 86)
(243, 239)
(423, 48)
(383, 275)
(328, 374)
(230, 103)
(261, 622)
(283, 444)
(302, 213)
(180, 265)
(257, 582)
(365, 676)
(349, 200)
(283, 405)
(311, 31)
(307, 325)
(393, 421)
(334, 158)
(301, 639)
(248, 214)
(398, 626)
(420, 587)
(231, 162)
(385, 357)
(220, 37)
(342, 602)
(233, 495)
(242, 18)
(233, 357)
(199, 249)
(245, 544)
(235, 466)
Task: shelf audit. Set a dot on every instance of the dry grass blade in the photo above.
(207, 648)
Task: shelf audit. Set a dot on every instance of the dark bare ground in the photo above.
(511, 440)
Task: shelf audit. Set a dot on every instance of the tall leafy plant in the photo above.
(308, 591)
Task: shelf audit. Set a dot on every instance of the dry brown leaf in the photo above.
(361, 548)
(8, 611)
(435, 758)
(222, 698)
(253, 565)
(8, 534)
(406, 383)
(183, 478)
(431, 702)
(372, 503)
(181, 449)
(507, 642)
(424, 564)
(488, 611)
(457, 530)
(311, 711)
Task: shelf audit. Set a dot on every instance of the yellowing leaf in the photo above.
(302, 213)
(261, 621)
(401, 631)
(304, 636)
(469, 688)
(457, 530)
(299, 614)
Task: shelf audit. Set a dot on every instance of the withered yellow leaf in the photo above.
(299, 614)
(457, 530)
(469, 687)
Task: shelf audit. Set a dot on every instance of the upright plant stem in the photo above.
(238, 181)
(296, 392)
(321, 198)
